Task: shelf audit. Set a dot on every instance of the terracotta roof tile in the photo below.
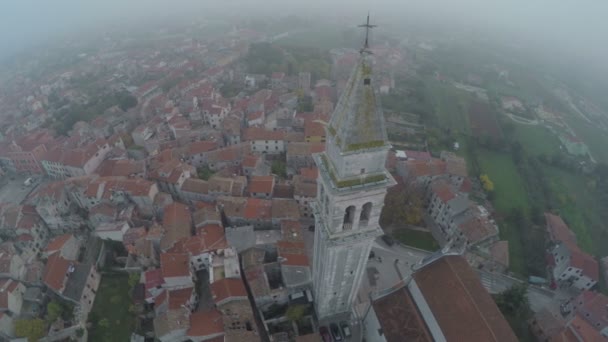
(175, 265)
(55, 271)
(57, 243)
(472, 314)
(206, 323)
(226, 288)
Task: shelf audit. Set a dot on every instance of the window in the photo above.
(362, 171)
(349, 216)
(365, 213)
(367, 81)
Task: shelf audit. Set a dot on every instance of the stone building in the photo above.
(352, 185)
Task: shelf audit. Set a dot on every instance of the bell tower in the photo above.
(352, 184)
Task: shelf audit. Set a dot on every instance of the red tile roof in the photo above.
(261, 184)
(257, 208)
(559, 231)
(55, 271)
(420, 168)
(227, 288)
(444, 191)
(206, 323)
(585, 262)
(472, 314)
(256, 133)
(57, 243)
(175, 265)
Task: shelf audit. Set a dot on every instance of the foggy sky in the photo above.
(577, 28)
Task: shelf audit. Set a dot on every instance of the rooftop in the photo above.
(472, 314)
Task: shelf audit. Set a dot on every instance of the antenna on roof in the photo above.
(367, 28)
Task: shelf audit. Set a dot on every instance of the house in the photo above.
(194, 189)
(172, 325)
(456, 167)
(25, 226)
(177, 225)
(206, 326)
(247, 211)
(295, 266)
(171, 175)
(299, 155)
(62, 164)
(73, 281)
(175, 269)
(122, 168)
(25, 153)
(263, 276)
(202, 247)
(112, 230)
(196, 153)
(12, 264)
(175, 299)
(261, 186)
(264, 141)
(67, 245)
(573, 144)
(305, 192)
(417, 310)
(231, 129)
(56, 207)
(445, 203)
(255, 165)
(11, 296)
(421, 172)
(571, 267)
(314, 131)
(230, 297)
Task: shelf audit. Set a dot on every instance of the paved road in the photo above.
(496, 282)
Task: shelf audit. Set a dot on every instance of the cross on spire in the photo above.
(367, 27)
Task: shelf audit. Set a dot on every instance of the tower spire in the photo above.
(367, 28)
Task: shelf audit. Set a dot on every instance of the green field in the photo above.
(509, 193)
(416, 238)
(451, 105)
(536, 140)
(594, 137)
(578, 207)
(508, 185)
(112, 303)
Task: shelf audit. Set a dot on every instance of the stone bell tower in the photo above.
(352, 184)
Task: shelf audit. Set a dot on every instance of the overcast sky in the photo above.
(579, 27)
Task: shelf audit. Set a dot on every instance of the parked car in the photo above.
(372, 255)
(388, 240)
(345, 329)
(335, 332)
(325, 334)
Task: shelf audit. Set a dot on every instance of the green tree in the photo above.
(134, 279)
(279, 168)
(54, 310)
(402, 204)
(204, 172)
(514, 305)
(32, 329)
(104, 323)
(295, 312)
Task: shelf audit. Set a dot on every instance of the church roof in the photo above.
(357, 122)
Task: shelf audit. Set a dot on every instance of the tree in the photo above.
(204, 172)
(32, 329)
(133, 279)
(514, 305)
(104, 323)
(402, 204)
(488, 185)
(295, 312)
(54, 310)
(279, 168)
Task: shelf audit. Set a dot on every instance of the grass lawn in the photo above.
(536, 140)
(579, 208)
(112, 302)
(594, 137)
(508, 185)
(509, 193)
(451, 105)
(416, 238)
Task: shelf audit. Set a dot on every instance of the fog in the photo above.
(575, 31)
